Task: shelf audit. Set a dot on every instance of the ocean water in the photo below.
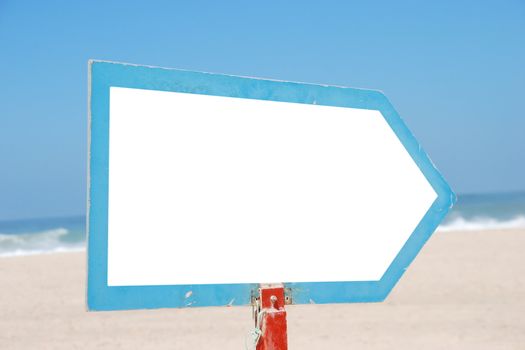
(36, 236)
(471, 212)
(486, 212)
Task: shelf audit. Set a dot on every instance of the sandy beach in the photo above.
(466, 290)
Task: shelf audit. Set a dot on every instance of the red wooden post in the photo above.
(270, 318)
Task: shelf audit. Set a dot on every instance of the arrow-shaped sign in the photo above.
(202, 186)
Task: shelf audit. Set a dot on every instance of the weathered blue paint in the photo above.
(103, 75)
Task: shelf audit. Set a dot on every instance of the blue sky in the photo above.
(454, 71)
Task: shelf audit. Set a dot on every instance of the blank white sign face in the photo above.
(203, 188)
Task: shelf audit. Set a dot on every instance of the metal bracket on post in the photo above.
(270, 318)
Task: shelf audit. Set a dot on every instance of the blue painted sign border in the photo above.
(103, 75)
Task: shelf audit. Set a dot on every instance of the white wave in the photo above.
(21, 252)
(42, 235)
(48, 241)
(482, 223)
